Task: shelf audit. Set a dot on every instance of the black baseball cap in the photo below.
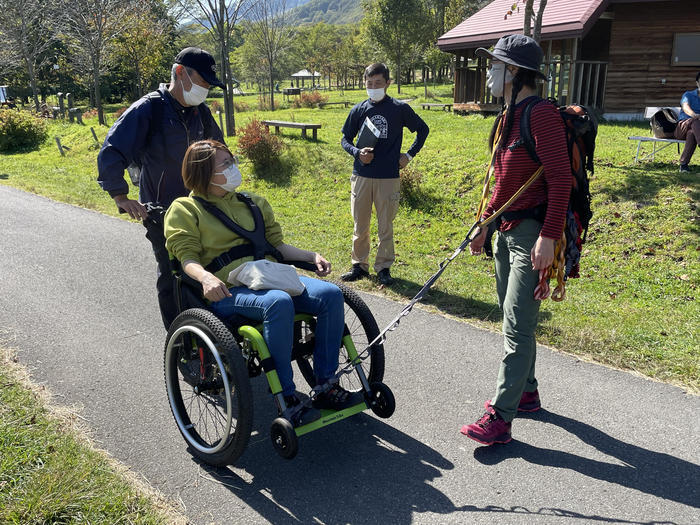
(516, 50)
(202, 62)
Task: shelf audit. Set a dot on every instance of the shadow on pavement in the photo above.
(650, 472)
(360, 470)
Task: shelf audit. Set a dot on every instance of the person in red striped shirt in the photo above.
(527, 232)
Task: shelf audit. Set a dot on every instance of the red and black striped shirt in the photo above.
(513, 168)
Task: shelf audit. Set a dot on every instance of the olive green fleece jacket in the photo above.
(192, 233)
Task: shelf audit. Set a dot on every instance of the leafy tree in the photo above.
(91, 28)
(146, 45)
(456, 11)
(26, 33)
(395, 26)
(219, 18)
(270, 36)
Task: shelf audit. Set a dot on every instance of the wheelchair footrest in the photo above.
(330, 416)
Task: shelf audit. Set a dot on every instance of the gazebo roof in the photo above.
(561, 19)
(306, 73)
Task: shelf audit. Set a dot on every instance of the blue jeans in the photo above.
(276, 309)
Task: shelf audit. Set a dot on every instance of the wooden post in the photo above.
(70, 115)
(62, 105)
(221, 121)
(572, 71)
(94, 135)
(60, 148)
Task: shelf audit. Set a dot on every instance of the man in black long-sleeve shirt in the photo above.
(375, 174)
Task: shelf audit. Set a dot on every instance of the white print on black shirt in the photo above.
(382, 125)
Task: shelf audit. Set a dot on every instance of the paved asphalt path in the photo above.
(78, 303)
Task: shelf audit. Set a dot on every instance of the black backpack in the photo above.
(581, 131)
(663, 123)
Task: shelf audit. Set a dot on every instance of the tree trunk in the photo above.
(272, 88)
(228, 93)
(398, 73)
(527, 21)
(538, 21)
(96, 87)
(32, 82)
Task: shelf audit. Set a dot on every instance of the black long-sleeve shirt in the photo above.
(390, 116)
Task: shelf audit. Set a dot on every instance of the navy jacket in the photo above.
(161, 156)
(390, 116)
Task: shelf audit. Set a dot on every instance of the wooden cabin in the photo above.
(617, 56)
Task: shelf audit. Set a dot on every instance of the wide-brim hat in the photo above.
(516, 50)
(202, 62)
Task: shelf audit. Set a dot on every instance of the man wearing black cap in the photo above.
(151, 137)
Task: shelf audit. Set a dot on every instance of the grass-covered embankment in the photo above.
(49, 473)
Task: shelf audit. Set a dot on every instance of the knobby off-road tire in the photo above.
(208, 388)
(363, 329)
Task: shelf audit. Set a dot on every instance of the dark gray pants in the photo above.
(165, 283)
(516, 282)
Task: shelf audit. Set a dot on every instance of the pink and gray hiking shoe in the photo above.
(529, 402)
(489, 429)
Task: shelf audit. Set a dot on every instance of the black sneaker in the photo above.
(305, 416)
(685, 168)
(337, 398)
(355, 273)
(385, 277)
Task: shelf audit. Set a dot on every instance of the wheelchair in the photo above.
(209, 362)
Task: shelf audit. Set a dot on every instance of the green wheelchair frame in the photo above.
(215, 360)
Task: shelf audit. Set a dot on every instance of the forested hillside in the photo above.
(329, 11)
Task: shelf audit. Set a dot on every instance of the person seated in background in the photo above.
(196, 238)
(688, 127)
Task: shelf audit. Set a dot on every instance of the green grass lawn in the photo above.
(635, 306)
(50, 474)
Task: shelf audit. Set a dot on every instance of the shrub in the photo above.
(215, 106)
(309, 100)
(20, 130)
(241, 106)
(411, 180)
(90, 113)
(119, 112)
(258, 145)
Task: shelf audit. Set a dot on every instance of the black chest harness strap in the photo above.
(257, 246)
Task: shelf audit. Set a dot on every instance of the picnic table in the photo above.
(303, 126)
(344, 103)
(445, 107)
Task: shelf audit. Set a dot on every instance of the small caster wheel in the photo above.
(381, 400)
(284, 439)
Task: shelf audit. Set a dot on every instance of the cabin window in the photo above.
(686, 49)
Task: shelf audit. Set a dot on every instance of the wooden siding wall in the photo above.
(641, 45)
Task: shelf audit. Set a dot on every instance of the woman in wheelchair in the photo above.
(197, 238)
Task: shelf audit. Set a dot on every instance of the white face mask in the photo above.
(233, 178)
(196, 95)
(376, 94)
(495, 78)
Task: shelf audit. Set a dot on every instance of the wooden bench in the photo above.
(344, 103)
(297, 125)
(648, 113)
(445, 107)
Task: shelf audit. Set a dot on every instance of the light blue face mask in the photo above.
(233, 178)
